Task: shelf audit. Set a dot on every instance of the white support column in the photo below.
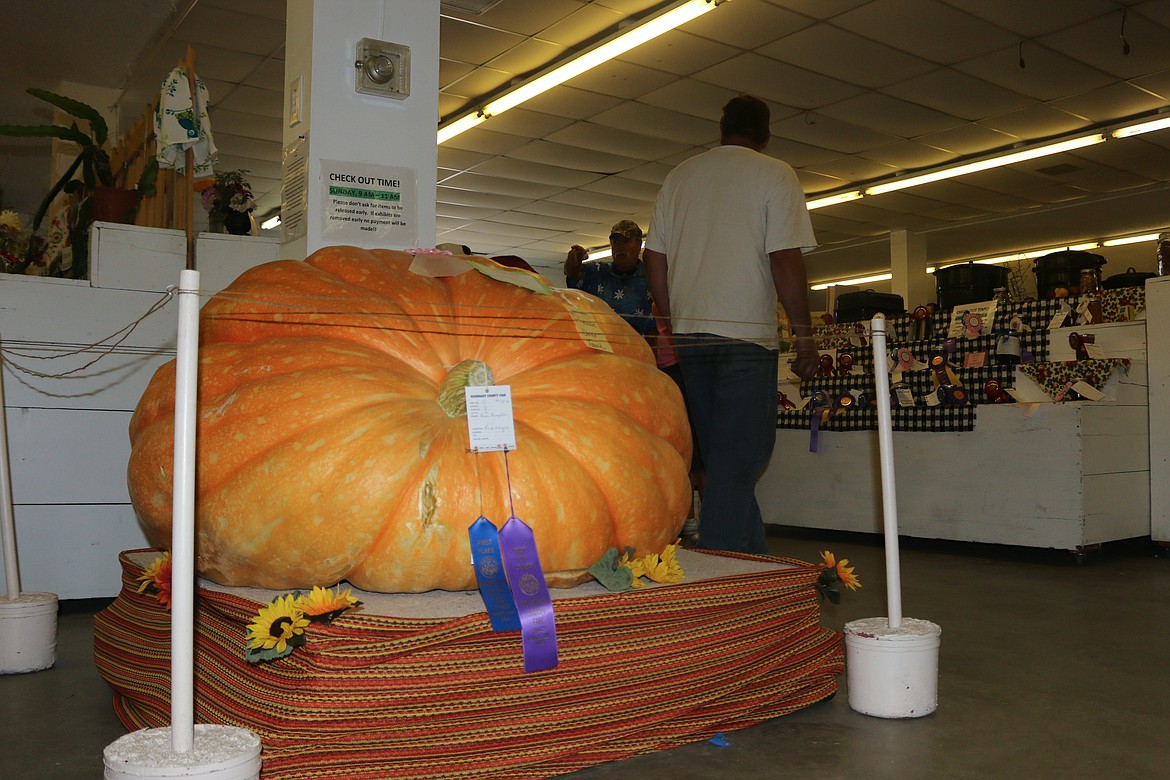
(908, 266)
(330, 128)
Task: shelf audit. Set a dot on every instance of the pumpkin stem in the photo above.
(465, 373)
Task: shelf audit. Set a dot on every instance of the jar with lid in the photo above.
(1008, 348)
(1164, 254)
(1090, 280)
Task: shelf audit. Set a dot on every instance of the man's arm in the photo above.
(791, 280)
(656, 265)
(573, 260)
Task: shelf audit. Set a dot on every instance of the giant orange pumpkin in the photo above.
(332, 439)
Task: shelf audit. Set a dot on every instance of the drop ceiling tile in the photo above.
(267, 10)
(931, 29)
(529, 56)
(1136, 155)
(528, 124)
(210, 26)
(1036, 122)
(889, 115)
(451, 106)
(465, 213)
(519, 18)
(853, 168)
(847, 56)
(524, 170)
(574, 211)
(746, 24)
(625, 143)
(953, 92)
(472, 43)
(269, 74)
(622, 80)
(482, 81)
(451, 71)
(1157, 83)
(1111, 103)
(909, 155)
(551, 225)
(573, 157)
(628, 7)
(680, 53)
(460, 159)
(514, 231)
(485, 200)
(819, 9)
(485, 141)
(246, 125)
(501, 186)
(625, 188)
(1029, 21)
(817, 184)
(260, 173)
(582, 25)
(671, 125)
(654, 173)
(777, 81)
(968, 139)
(249, 100)
(830, 133)
(692, 97)
(796, 154)
(251, 148)
(572, 103)
(1047, 74)
(599, 201)
(1098, 43)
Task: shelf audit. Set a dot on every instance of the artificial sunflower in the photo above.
(323, 604)
(657, 567)
(278, 628)
(832, 572)
(157, 576)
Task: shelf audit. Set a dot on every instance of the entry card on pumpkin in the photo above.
(490, 426)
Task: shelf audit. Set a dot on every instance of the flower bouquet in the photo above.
(227, 198)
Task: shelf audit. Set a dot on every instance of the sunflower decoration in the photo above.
(834, 572)
(276, 631)
(622, 572)
(157, 577)
(323, 605)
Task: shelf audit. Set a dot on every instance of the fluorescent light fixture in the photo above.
(857, 280)
(1143, 127)
(982, 165)
(1150, 237)
(460, 125)
(1026, 255)
(612, 47)
(833, 200)
(270, 223)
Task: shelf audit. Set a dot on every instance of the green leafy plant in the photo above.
(92, 164)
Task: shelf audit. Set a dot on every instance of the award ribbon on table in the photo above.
(507, 567)
(538, 627)
(822, 406)
(489, 574)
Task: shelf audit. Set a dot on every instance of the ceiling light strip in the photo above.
(618, 44)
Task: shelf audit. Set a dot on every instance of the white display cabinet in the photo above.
(1068, 476)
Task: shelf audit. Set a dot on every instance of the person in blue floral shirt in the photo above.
(620, 281)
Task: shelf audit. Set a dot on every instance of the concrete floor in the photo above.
(1048, 669)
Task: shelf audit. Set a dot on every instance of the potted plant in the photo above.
(92, 164)
(228, 201)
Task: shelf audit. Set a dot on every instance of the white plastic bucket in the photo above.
(219, 752)
(892, 673)
(28, 632)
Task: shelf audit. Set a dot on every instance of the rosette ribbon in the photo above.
(822, 407)
(538, 628)
(489, 574)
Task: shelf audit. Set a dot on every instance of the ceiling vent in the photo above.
(1063, 169)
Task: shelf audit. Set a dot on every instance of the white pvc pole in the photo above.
(886, 455)
(183, 518)
(8, 518)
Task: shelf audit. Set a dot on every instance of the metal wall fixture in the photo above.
(382, 68)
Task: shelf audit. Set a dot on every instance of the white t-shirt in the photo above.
(717, 217)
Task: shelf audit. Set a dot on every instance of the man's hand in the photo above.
(573, 260)
(808, 359)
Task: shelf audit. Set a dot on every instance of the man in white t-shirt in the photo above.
(726, 241)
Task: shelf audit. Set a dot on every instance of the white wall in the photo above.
(67, 431)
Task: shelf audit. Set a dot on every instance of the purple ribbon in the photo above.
(821, 403)
(489, 573)
(538, 629)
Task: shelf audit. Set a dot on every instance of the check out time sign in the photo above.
(369, 204)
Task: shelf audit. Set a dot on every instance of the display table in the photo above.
(1068, 475)
(418, 686)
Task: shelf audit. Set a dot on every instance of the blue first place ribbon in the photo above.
(489, 573)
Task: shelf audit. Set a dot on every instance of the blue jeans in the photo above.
(731, 387)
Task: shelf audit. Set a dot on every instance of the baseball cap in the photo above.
(626, 229)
